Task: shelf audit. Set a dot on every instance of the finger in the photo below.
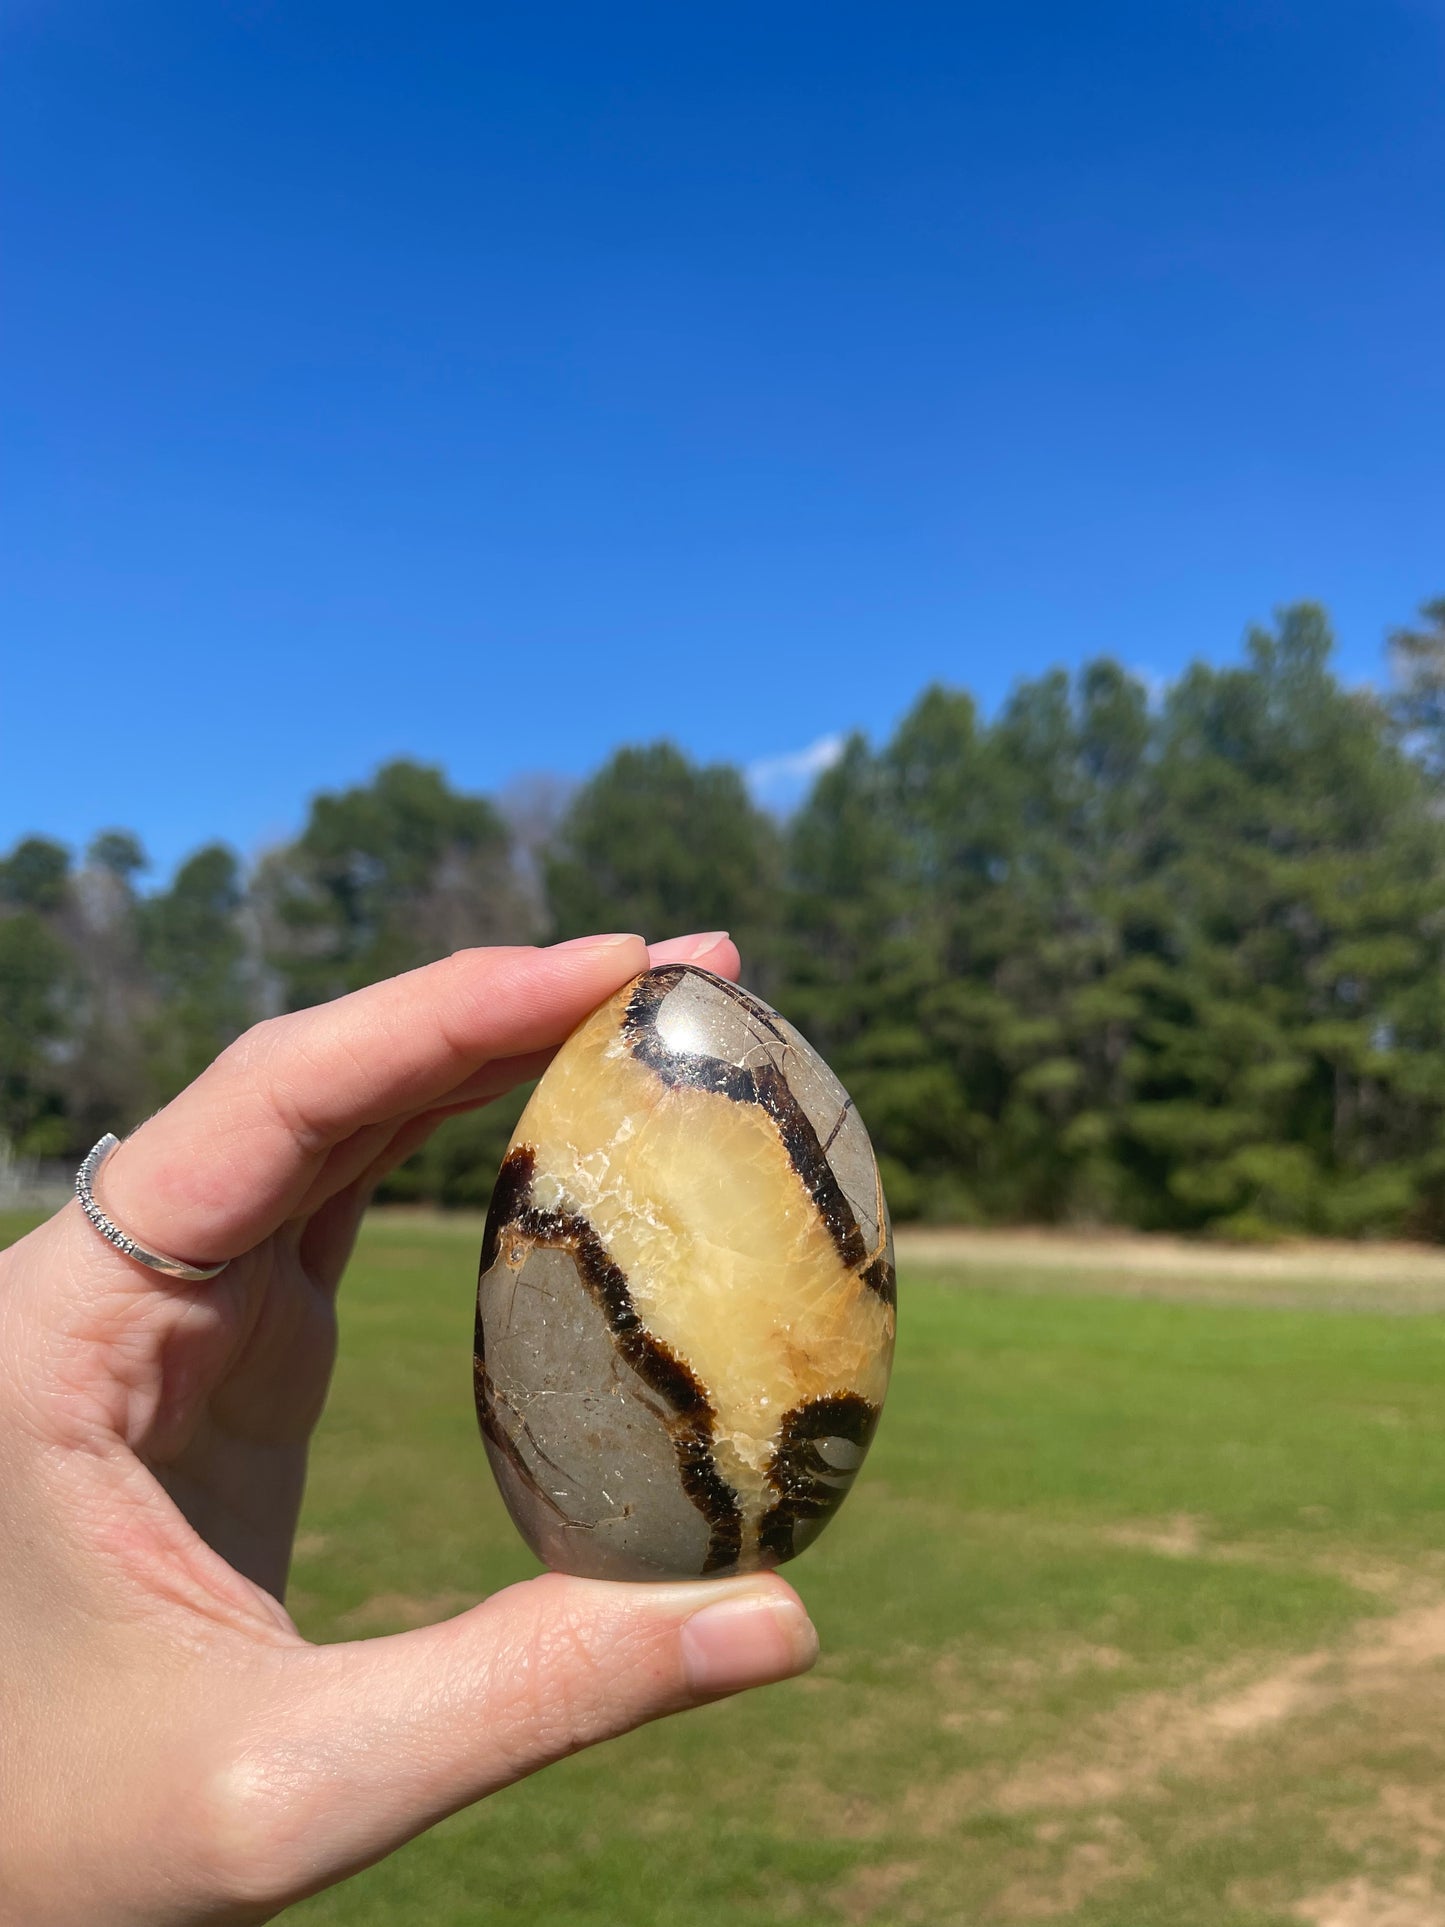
(365, 1159)
(710, 949)
(376, 1741)
(369, 1161)
(713, 950)
(236, 1153)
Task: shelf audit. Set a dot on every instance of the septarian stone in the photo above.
(686, 1309)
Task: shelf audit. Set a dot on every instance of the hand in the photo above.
(171, 1749)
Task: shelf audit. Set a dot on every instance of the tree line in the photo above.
(1172, 961)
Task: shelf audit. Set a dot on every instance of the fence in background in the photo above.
(33, 1184)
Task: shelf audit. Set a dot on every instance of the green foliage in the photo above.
(35, 874)
(1181, 969)
(654, 844)
(193, 945)
(1100, 958)
(118, 853)
(384, 877)
(1417, 658)
(34, 978)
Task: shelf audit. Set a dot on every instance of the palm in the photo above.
(223, 1394)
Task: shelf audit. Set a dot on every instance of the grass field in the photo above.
(1136, 1617)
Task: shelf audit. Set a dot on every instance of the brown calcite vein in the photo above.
(686, 1312)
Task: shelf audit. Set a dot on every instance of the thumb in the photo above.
(375, 1741)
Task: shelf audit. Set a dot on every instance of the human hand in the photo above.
(171, 1750)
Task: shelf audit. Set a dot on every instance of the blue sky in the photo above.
(496, 385)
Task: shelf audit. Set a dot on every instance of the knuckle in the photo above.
(275, 1058)
(255, 1048)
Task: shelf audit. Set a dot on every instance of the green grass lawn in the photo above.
(1137, 1616)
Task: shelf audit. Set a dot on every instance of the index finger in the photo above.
(230, 1159)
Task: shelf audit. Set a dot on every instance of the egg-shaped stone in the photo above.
(686, 1309)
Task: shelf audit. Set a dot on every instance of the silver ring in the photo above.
(122, 1240)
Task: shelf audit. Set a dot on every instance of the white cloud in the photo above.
(778, 782)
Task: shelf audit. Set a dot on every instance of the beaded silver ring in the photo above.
(122, 1240)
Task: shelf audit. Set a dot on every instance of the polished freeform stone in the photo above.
(686, 1309)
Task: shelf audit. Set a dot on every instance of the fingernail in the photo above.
(611, 942)
(746, 1642)
(679, 949)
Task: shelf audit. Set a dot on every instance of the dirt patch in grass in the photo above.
(1398, 1839)
(1411, 1902)
(876, 1892)
(1151, 1738)
(1071, 1873)
(1410, 1817)
(1178, 1537)
(1352, 1733)
(1186, 1536)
